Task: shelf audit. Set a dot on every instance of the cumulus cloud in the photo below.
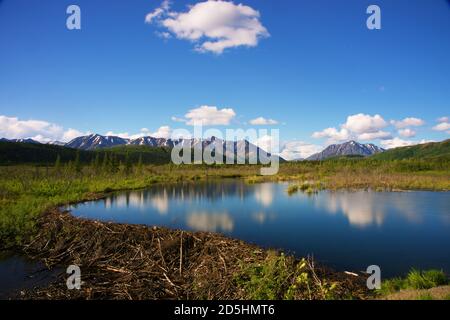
(359, 127)
(289, 150)
(162, 132)
(364, 123)
(268, 143)
(397, 142)
(443, 119)
(43, 131)
(72, 134)
(292, 150)
(212, 25)
(209, 116)
(332, 134)
(443, 126)
(260, 121)
(407, 133)
(408, 122)
(374, 135)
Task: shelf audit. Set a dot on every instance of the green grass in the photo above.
(425, 296)
(280, 277)
(307, 187)
(415, 279)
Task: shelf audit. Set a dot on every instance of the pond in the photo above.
(343, 229)
(18, 273)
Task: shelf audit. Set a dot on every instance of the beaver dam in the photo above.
(120, 261)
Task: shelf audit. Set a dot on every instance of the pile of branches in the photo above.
(121, 261)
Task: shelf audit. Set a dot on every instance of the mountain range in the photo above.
(20, 140)
(157, 150)
(97, 142)
(216, 145)
(350, 148)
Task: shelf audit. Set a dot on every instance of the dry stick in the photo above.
(181, 251)
(162, 257)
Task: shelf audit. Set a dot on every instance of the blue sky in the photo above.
(314, 64)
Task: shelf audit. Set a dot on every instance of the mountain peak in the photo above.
(348, 148)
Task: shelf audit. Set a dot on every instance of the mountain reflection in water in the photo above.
(343, 228)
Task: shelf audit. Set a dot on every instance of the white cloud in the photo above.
(364, 123)
(177, 119)
(268, 143)
(162, 132)
(72, 134)
(212, 25)
(397, 142)
(124, 135)
(374, 135)
(332, 134)
(408, 122)
(289, 150)
(358, 127)
(260, 121)
(443, 126)
(292, 150)
(210, 116)
(443, 119)
(407, 133)
(165, 5)
(43, 131)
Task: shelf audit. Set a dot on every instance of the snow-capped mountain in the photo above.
(347, 149)
(20, 140)
(152, 142)
(241, 149)
(57, 143)
(96, 141)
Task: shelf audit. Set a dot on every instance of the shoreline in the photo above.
(140, 262)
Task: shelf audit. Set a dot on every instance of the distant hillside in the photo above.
(350, 148)
(37, 153)
(154, 155)
(432, 150)
(45, 154)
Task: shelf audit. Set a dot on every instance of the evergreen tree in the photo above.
(77, 163)
(105, 162)
(58, 163)
(114, 164)
(139, 165)
(97, 163)
(128, 165)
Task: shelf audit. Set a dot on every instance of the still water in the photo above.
(346, 230)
